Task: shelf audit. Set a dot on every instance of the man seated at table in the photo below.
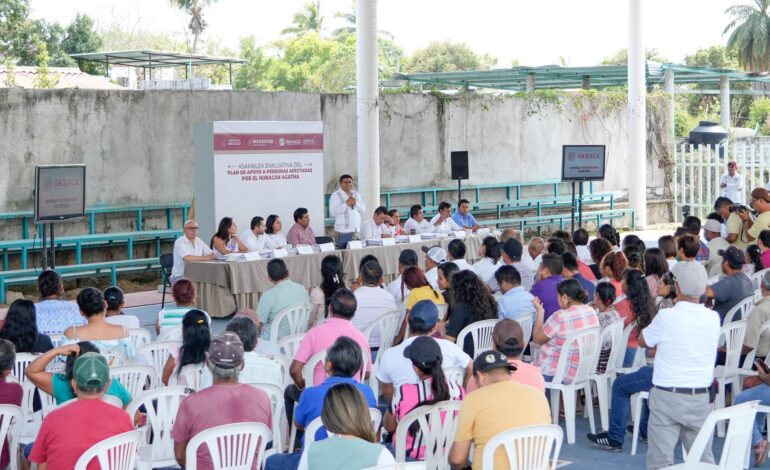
(377, 226)
(433, 257)
(256, 239)
(406, 258)
(463, 216)
(284, 293)
(456, 254)
(443, 222)
(189, 248)
(417, 223)
(301, 233)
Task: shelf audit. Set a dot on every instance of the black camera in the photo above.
(738, 208)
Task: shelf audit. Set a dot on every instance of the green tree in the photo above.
(621, 57)
(309, 19)
(311, 63)
(27, 46)
(197, 24)
(446, 56)
(759, 113)
(13, 21)
(715, 56)
(255, 73)
(10, 72)
(43, 78)
(750, 37)
(81, 37)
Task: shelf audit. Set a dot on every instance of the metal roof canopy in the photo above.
(557, 77)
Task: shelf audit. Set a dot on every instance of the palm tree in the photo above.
(306, 20)
(350, 28)
(750, 37)
(197, 24)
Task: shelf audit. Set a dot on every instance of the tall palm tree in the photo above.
(350, 28)
(306, 20)
(197, 24)
(750, 37)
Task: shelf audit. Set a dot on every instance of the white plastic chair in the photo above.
(307, 374)
(230, 446)
(756, 278)
(288, 345)
(637, 401)
(455, 376)
(400, 466)
(481, 336)
(527, 448)
(737, 442)
(437, 424)
(56, 339)
(156, 354)
(22, 361)
(526, 323)
(111, 399)
(135, 377)
(588, 345)
(748, 362)
(139, 337)
(296, 317)
(376, 417)
(740, 311)
(613, 333)
(280, 425)
(114, 453)
(190, 376)
(11, 417)
(730, 372)
(714, 279)
(387, 326)
(285, 366)
(639, 358)
(161, 407)
(31, 420)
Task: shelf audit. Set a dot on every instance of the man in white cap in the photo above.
(686, 337)
(433, 257)
(731, 185)
(712, 230)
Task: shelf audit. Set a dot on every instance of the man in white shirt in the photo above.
(406, 258)
(732, 184)
(534, 254)
(456, 254)
(433, 257)
(443, 222)
(396, 370)
(417, 223)
(712, 230)
(377, 226)
(347, 207)
(373, 301)
(189, 248)
(256, 239)
(257, 368)
(580, 239)
(686, 337)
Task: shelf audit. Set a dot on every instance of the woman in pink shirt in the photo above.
(764, 246)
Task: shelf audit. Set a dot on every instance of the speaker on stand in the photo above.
(460, 170)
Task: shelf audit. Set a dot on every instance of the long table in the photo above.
(227, 286)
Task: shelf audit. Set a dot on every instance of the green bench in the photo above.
(111, 268)
(564, 220)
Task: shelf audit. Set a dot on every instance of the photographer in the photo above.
(736, 234)
(760, 202)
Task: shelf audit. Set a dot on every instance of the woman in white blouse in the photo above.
(274, 231)
(489, 251)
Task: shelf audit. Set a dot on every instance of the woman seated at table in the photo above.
(395, 222)
(113, 341)
(226, 240)
(273, 231)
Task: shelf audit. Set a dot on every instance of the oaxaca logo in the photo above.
(60, 182)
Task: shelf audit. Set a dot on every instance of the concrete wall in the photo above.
(138, 145)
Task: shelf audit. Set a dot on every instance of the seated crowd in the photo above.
(540, 297)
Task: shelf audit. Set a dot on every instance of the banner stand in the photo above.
(581, 163)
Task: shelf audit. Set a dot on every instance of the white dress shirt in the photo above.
(256, 243)
(462, 264)
(419, 227)
(278, 240)
(183, 246)
(734, 189)
(371, 304)
(346, 219)
(447, 226)
(370, 229)
(432, 276)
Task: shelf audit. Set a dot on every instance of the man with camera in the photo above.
(760, 202)
(735, 233)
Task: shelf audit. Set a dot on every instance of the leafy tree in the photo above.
(81, 37)
(446, 56)
(43, 79)
(254, 74)
(750, 37)
(308, 57)
(350, 26)
(197, 24)
(307, 20)
(10, 72)
(621, 57)
(714, 56)
(759, 113)
(27, 45)
(13, 21)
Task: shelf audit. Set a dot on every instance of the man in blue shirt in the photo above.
(516, 302)
(343, 361)
(463, 217)
(571, 271)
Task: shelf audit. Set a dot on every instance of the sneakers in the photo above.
(602, 440)
(760, 453)
(642, 437)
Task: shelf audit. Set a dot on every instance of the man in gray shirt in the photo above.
(734, 287)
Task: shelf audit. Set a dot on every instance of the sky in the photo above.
(532, 32)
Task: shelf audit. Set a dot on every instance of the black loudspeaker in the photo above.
(460, 165)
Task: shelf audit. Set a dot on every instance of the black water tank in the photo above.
(708, 133)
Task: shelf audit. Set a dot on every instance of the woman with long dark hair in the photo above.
(604, 298)
(20, 328)
(413, 281)
(666, 292)
(115, 299)
(196, 339)
(613, 264)
(226, 240)
(332, 279)
(608, 232)
(655, 266)
(668, 245)
(598, 247)
(753, 260)
(634, 256)
(489, 253)
(472, 303)
(273, 231)
(638, 307)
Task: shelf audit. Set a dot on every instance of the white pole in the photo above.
(669, 88)
(724, 102)
(637, 115)
(367, 102)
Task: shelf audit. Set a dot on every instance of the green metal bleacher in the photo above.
(563, 220)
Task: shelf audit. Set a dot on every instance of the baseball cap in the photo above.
(91, 370)
(408, 257)
(424, 352)
(733, 255)
(226, 350)
(424, 314)
(760, 193)
(489, 360)
(513, 248)
(436, 253)
(712, 226)
(691, 277)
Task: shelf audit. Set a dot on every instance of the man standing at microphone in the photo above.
(346, 206)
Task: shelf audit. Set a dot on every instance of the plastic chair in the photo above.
(156, 354)
(31, 420)
(756, 278)
(280, 425)
(387, 326)
(231, 446)
(56, 339)
(526, 323)
(139, 337)
(737, 442)
(455, 376)
(748, 362)
(637, 401)
(400, 466)
(639, 358)
(285, 366)
(614, 334)
(111, 399)
(437, 424)
(307, 374)
(114, 453)
(288, 345)
(740, 311)
(11, 420)
(297, 318)
(135, 377)
(166, 265)
(587, 344)
(161, 407)
(481, 335)
(730, 372)
(190, 376)
(376, 417)
(714, 279)
(527, 448)
(22, 361)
